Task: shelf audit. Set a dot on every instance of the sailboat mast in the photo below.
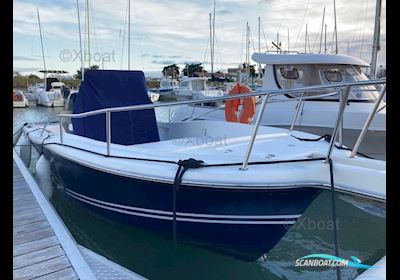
(129, 34)
(305, 41)
(211, 51)
(80, 42)
(277, 43)
(326, 28)
(41, 42)
(376, 45)
(248, 50)
(336, 41)
(288, 40)
(259, 34)
(87, 29)
(259, 48)
(213, 43)
(322, 30)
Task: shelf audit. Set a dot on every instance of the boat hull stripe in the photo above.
(166, 215)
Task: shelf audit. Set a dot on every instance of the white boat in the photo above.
(219, 184)
(196, 88)
(190, 88)
(167, 84)
(19, 99)
(52, 95)
(315, 115)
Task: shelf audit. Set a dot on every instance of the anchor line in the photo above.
(334, 216)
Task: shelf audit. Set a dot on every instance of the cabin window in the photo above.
(294, 76)
(333, 76)
(290, 73)
(317, 74)
(349, 73)
(184, 84)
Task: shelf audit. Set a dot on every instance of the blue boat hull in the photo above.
(244, 222)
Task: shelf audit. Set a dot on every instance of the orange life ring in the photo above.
(248, 106)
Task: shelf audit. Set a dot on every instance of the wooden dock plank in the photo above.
(30, 227)
(41, 269)
(35, 245)
(30, 216)
(64, 274)
(27, 207)
(37, 252)
(33, 235)
(24, 202)
(37, 256)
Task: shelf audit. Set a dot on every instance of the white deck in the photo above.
(222, 142)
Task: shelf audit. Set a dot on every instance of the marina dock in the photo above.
(43, 248)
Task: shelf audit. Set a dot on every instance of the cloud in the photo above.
(26, 69)
(160, 37)
(24, 58)
(162, 62)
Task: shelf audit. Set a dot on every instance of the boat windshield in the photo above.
(293, 76)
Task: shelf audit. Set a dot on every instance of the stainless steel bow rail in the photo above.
(344, 89)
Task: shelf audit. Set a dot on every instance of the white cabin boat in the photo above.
(52, 95)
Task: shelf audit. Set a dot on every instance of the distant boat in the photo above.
(52, 95)
(191, 88)
(168, 84)
(19, 99)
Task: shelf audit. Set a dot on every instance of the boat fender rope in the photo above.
(42, 144)
(334, 217)
(326, 137)
(184, 165)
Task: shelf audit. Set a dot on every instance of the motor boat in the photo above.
(189, 179)
(19, 99)
(191, 88)
(196, 88)
(315, 115)
(167, 84)
(52, 94)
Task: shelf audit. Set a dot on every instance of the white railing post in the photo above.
(253, 136)
(368, 122)
(299, 105)
(341, 121)
(108, 131)
(61, 132)
(342, 106)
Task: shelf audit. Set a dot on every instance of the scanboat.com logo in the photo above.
(332, 261)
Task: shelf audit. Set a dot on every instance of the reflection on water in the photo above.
(361, 224)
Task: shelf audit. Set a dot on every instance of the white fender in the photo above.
(43, 175)
(25, 150)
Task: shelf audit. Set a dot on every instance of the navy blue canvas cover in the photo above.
(114, 88)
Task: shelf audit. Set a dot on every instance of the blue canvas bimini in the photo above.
(114, 88)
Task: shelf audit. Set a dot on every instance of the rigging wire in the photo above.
(241, 47)
(265, 38)
(123, 36)
(284, 16)
(363, 29)
(301, 25)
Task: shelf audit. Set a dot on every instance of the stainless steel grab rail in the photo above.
(266, 95)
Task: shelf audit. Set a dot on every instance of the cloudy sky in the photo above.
(177, 31)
